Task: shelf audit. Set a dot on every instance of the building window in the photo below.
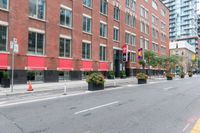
(130, 39)
(37, 8)
(66, 17)
(103, 7)
(144, 13)
(132, 57)
(154, 5)
(87, 3)
(86, 24)
(131, 4)
(116, 34)
(116, 13)
(86, 50)
(65, 47)
(102, 53)
(35, 43)
(3, 38)
(103, 30)
(4, 4)
(155, 47)
(130, 20)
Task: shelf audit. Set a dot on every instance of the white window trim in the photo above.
(130, 33)
(103, 22)
(103, 45)
(36, 30)
(65, 36)
(115, 27)
(65, 7)
(86, 41)
(117, 48)
(3, 23)
(88, 16)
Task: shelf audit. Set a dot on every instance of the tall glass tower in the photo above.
(183, 20)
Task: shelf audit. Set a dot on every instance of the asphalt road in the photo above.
(158, 107)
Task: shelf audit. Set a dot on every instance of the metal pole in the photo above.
(65, 88)
(13, 58)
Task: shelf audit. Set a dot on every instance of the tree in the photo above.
(150, 58)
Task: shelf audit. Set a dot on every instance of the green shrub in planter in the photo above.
(5, 81)
(170, 76)
(95, 81)
(190, 73)
(182, 75)
(122, 74)
(142, 78)
(111, 75)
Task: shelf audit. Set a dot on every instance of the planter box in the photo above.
(93, 86)
(122, 77)
(110, 77)
(5, 83)
(182, 77)
(169, 78)
(142, 81)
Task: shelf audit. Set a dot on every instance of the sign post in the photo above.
(14, 47)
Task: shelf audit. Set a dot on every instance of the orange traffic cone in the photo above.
(30, 88)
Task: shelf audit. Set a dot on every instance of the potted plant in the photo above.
(182, 74)
(170, 76)
(142, 78)
(111, 75)
(190, 73)
(95, 81)
(122, 74)
(5, 81)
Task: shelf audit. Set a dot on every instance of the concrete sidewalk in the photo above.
(72, 86)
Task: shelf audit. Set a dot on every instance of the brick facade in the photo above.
(19, 24)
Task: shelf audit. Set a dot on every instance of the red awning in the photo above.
(103, 66)
(86, 66)
(36, 63)
(65, 64)
(3, 61)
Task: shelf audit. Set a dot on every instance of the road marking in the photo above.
(2, 102)
(196, 128)
(41, 99)
(168, 88)
(186, 126)
(97, 107)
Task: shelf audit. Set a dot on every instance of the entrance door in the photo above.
(117, 62)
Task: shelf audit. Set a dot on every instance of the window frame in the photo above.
(91, 3)
(36, 15)
(6, 26)
(7, 6)
(102, 56)
(104, 33)
(84, 57)
(36, 43)
(71, 17)
(87, 18)
(70, 53)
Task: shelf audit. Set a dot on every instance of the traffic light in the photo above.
(125, 53)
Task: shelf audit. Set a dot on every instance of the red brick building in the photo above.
(60, 39)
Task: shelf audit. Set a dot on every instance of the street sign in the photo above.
(125, 53)
(140, 54)
(14, 46)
